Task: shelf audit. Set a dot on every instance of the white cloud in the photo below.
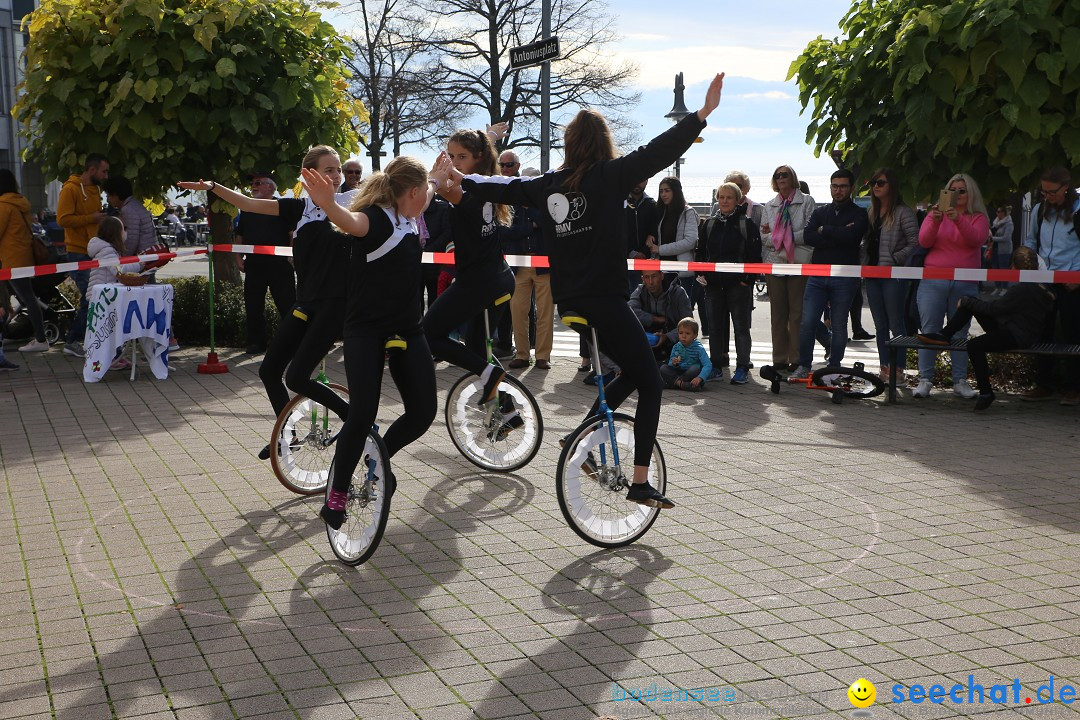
(699, 63)
(644, 37)
(770, 95)
(744, 132)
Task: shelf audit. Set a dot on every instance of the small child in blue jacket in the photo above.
(689, 364)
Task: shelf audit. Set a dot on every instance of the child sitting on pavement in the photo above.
(689, 364)
(1011, 321)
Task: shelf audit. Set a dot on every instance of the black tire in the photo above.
(52, 332)
(596, 508)
(465, 420)
(365, 515)
(852, 382)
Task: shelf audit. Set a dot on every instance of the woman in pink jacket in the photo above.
(954, 237)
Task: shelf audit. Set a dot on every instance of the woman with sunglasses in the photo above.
(892, 237)
(782, 243)
(954, 236)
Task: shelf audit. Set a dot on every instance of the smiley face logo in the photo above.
(862, 693)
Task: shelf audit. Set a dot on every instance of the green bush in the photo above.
(191, 313)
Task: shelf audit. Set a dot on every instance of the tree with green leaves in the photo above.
(176, 89)
(988, 87)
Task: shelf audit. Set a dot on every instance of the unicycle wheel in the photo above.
(301, 450)
(502, 439)
(592, 490)
(367, 508)
(849, 382)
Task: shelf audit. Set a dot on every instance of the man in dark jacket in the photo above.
(641, 221)
(660, 302)
(835, 231)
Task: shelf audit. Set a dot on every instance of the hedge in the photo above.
(191, 313)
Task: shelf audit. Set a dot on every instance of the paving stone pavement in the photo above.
(154, 568)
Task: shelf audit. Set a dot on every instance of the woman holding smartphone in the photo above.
(954, 231)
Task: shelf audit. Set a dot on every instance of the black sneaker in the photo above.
(934, 338)
(264, 454)
(509, 424)
(491, 387)
(646, 494)
(333, 518)
(984, 401)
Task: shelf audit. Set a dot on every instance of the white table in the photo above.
(118, 313)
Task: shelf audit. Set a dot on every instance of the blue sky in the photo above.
(758, 125)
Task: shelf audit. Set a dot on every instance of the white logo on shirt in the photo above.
(566, 207)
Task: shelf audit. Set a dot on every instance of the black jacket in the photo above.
(836, 232)
(641, 221)
(586, 229)
(722, 241)
(1022, 310)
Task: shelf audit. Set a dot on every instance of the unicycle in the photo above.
(503, 435)
(301, 446)
(840, 382)
(590, 480)
(367, 506)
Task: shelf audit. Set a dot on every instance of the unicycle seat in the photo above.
(396, 342)
(575, 321)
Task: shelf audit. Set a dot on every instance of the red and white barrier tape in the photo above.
(38, 270)
(540, 261)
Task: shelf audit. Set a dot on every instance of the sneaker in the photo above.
(800, 373)
(923, 390)
(491, 387)
(121, 364)
(716, 374)
(333, 518)
(74, 349)
(861, 334)
(984, 401)
(1037, 393)
(741, 376)
(6, 364)
(510, 423)
(173, 345)
(35, 346)
(935, 338)
(963, 389)
(1071, 399)
(646, 494)
(264, 454)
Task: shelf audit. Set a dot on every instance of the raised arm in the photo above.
(321, 192)
(262, 206)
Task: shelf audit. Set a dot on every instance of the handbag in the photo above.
(38, 245)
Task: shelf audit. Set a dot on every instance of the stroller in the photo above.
(56, 310)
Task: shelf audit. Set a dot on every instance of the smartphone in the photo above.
(945, 201)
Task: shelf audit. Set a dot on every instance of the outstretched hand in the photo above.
(712, 96)
(499, 130)
(189, 185)
(318, 186)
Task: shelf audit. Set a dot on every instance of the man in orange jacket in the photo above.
(78, 211)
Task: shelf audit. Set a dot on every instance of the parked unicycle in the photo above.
(502, 435)
(301, 446)
(367, 507)
(591, 481)
(840, 382)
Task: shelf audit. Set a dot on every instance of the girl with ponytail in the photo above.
(383, 301)
(482, 275)
(321, 259)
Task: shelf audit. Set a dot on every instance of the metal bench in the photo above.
(901, 343)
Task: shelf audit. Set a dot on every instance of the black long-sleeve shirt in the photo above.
(586, 230)
(836, 232)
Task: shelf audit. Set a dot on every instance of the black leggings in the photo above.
(465, 300)
(24, 290)
(620, 334)
(414, 375)
(301, 345)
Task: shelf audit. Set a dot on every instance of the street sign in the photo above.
(534, 53)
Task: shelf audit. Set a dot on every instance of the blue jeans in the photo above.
(839, 293)
(887, 299)
(937, 299)
(81, 278)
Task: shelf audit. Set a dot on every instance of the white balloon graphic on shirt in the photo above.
(488, 212)
(558, 207)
